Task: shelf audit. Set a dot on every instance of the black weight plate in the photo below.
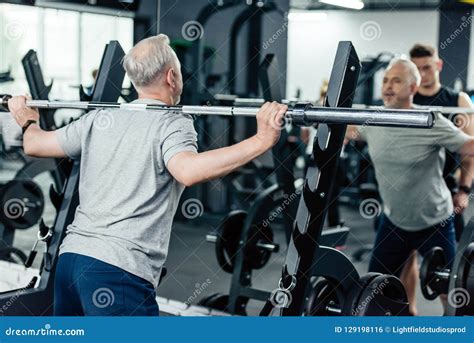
(22, 204)
(383, 295)
(228, 237)
(435, 260)
(14, 255)
(465, 264)
(355, 292)
(465, 278)
(257, 257)
(324, 294)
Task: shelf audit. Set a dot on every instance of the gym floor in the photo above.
(192, 269)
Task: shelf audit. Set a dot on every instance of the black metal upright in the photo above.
(38, 300)
(305, 240)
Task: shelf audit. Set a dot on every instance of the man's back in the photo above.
(127, 196)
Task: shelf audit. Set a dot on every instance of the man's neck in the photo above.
(165, 98)
(431, 90)
(406, 106)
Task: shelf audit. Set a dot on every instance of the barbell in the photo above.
(303, 114)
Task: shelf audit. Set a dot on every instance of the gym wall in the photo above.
(175, 14)
(370, 31)
(69, 45)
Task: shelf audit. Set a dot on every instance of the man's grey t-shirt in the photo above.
(408, 166)
(127, 196)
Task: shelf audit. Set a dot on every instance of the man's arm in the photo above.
(461, 199)
(190, 168)
(352, 134)
(36, 142)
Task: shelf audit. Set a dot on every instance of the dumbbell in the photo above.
(374, 294)
(227, 239)
(435, 277)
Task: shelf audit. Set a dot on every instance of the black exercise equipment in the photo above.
(305, 256)
(258, 248)
(220, 302)
(39, 300)
(5, 76)
(21, 203)
(458, 282)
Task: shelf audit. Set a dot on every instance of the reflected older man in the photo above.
(417, 204)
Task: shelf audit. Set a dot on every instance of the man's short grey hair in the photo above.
(410, 66)
(148, 59)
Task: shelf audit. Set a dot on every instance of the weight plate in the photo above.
(382, 295)
(434, 261)
(324, 296)
(229, 234)
(21, 204)
(14, 255)
(257, 257)
(464, 266)
(228, 237)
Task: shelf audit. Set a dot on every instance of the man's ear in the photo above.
(414, 88)
(171, 77)
(440, 64)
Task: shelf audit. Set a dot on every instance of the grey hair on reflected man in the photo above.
(409, 65)
(147, 60)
